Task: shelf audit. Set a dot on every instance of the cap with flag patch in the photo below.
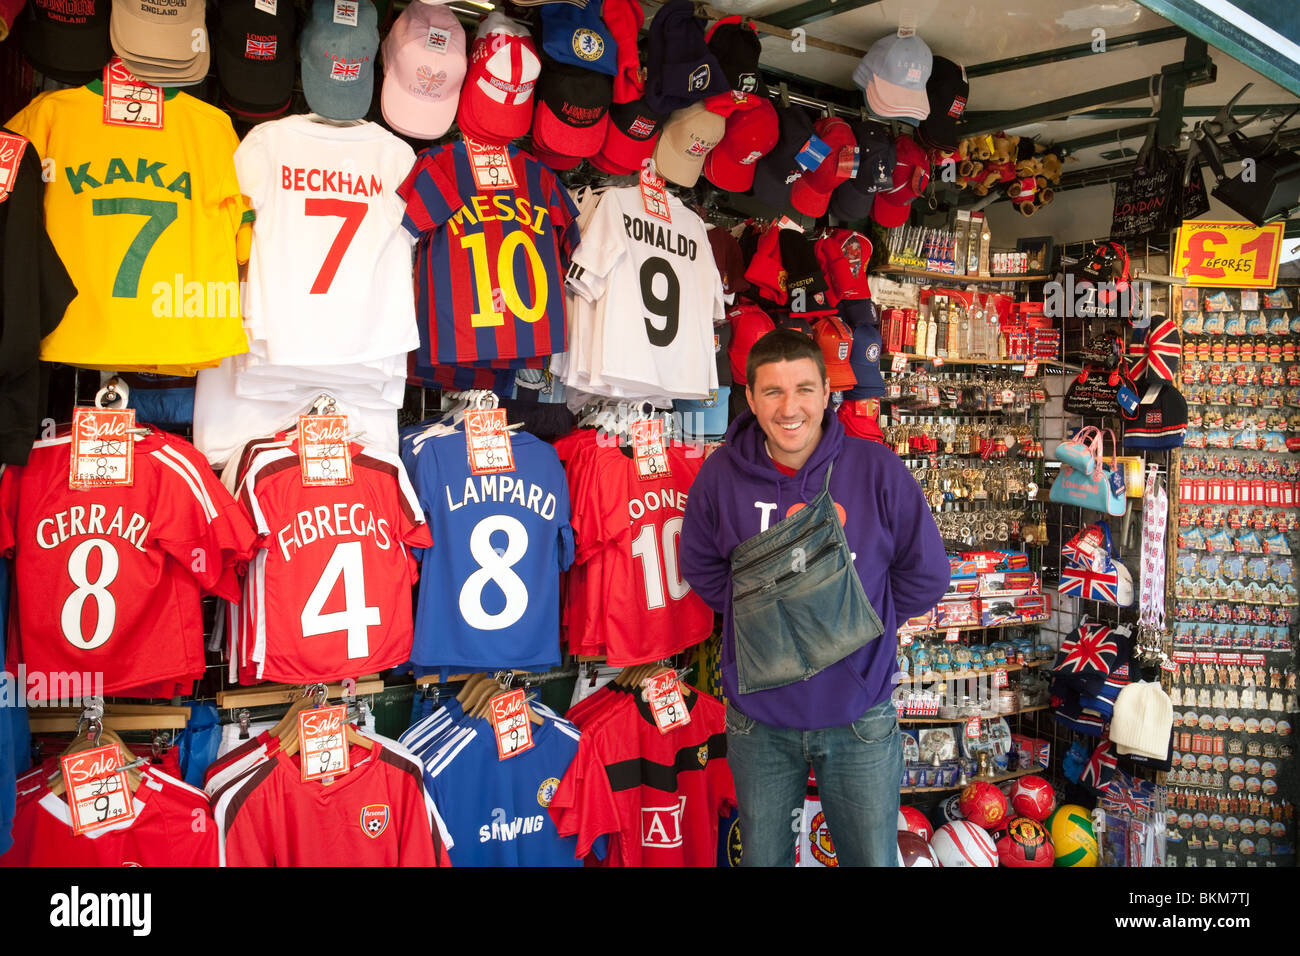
(1161, 419)
(578, 36)
(811, 192)
(68, 42)
(630, 138)
(496, 102)
(911, 177)
(893, 76)
(947, 90)
(687, 138)
(256, 59)
(835, 340)
(424, 67)
(338, 61)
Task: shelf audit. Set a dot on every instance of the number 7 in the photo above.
(352, 212)
(161, 214)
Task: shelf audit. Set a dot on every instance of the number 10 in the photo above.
(643, 547)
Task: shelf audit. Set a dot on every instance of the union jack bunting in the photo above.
(1099, 769)
(1091, 648)
(1083, 581)
(1128, 796)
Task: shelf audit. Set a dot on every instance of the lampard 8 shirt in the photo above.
(491, 262)
(108, 579)
(334, 592)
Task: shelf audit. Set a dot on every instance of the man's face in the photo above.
(788, 399)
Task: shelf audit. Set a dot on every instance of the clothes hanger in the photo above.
(290, 743)
(95, 734)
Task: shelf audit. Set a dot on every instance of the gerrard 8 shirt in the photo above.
(491, 262)
(109, 579)
(335, 572)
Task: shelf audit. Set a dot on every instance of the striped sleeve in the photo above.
(430, 195)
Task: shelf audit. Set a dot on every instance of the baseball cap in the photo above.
(424, 67)
(680, 68)
(752, 131)
(729, 259)
(765, 271)
(835, 340)
(572, 109)
(579, 37)
(256, 59)
(811, 192)
(630, 138)
(776, 172)
(704, 418)
(946, 90)
(157, 43)
(893, 75)
(805, 285)
(861, 418)
(911, 177)
(749, 323)
(843, 255)
(338, 61)
(496, 102)
(853, 199)
(796, 323)
(736, 46)
(67, 43)
(556, 161)
(860, 315)
(688, 136)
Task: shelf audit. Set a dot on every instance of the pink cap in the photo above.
(424, 67)
(496, 103)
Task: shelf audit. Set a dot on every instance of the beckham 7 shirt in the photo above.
(334, 593)
(109, 579)
(491, 262)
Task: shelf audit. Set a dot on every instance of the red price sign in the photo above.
(97, 789)
(510, 724)
(488, 441)
(324, 456)
(322, 743)
(103, 452)
(1233, 254)
(666, 704)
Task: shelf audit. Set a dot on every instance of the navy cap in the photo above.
(853, 199)
(256, 57)
(736, 45)
(864, 357)
(776, 173)
(680, 68)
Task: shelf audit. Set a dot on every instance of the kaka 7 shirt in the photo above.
(490, 266)
(333, 593)
(172, 826)
(660, 795)
(329, 276)
(109, 579)
(374, 815)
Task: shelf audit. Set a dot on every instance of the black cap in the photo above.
(256, 57)
(737, 48)
(802, 271)
(853, 199)
(776, 172)
(947, 90)
(572, 104)
(680, 68)
(66, 41)
(787, 320)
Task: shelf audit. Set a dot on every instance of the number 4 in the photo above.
(355, 618)
(352, 212)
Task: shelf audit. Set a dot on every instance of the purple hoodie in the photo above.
(896, 549)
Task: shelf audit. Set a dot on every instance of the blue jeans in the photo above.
(858, 768)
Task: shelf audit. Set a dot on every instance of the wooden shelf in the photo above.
(970, 361)
(924, 274)
(997, 778)
(962, 720)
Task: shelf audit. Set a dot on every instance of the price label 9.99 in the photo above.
(98, 794)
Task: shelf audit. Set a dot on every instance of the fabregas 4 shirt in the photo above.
(490, 264)
(145, 220)
(329, 277)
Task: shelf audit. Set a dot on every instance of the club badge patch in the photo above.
(374, 819)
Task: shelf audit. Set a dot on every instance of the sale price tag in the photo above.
(490, 165)
(654, 196)
(1236, 254)
(973, 728)
(937, 361)
(322, 742)
(128, 101)
(952, 634)
(648, 450)
(1000, 677)
(488, 441)
(97, 790)
(1031, 369)
(666, 704)
(323, 454)
(898, 363)
(102, 450)
(510, 723)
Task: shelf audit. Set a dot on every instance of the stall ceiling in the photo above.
(990, 32)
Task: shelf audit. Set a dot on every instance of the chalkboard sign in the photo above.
(1152, 201)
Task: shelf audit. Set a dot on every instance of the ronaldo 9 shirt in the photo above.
(490, 264)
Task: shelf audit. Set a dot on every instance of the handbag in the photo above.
(1101, 489)
(1082, 451)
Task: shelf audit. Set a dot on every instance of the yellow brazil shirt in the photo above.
(148, 224)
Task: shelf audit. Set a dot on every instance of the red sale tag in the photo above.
(654, 196)
(952, 634)
(937, 361)
(1000, 677)
(666, 704)
(510, 723)
(324, 457)
(322, 743)
(490, 165)
(898, 363)
(128, 101)
(973, 728)
(1031, 369)
(103, 452)
(12, 147)
(97, 789)
(1233, 254)
(648, 450)
(488, 441)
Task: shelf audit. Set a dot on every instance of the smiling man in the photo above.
(814, 546)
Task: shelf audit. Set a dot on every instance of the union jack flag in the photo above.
(1095, 649)
(1099, 769)
(1082, 581)
(1163, 350)
(345, 71)
(259, 49)
(1125, 795)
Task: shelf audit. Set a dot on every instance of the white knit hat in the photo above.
(1143, 718)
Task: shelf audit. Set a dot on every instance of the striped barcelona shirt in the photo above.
(491, 262)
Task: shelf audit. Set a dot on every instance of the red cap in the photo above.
(811, 192)
(554, 160)
(749, 323)
(496, 101)
(752, 132)
(911, 176)
(835, 340)
(843, 255)
(861, 419)
(629, 138)
(765, 269)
